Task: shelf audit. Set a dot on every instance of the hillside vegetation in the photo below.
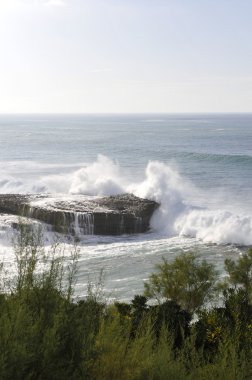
(45, 334)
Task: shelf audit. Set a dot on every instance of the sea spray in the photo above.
(177, 217)
(164, 185)
(99, 178)
(177, 214)
(221, 227)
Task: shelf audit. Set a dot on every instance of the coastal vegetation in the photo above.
(187, 324)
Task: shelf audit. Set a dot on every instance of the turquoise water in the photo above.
(198, 166)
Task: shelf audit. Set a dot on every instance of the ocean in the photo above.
(198, 167)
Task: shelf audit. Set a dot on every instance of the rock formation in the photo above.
(80, 215)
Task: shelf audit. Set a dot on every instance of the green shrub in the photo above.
(240, 272)
(46, 335)
(186, 281)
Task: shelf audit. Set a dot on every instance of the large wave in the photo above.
(176, 215)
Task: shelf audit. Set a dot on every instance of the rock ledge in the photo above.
(80, 215)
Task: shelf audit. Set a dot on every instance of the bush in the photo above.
(46, 335)
(186, 281)
(240, 273)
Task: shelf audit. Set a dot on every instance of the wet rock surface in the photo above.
(80, 215)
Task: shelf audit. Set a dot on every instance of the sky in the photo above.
(125, 56)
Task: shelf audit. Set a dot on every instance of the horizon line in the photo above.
(129, 113)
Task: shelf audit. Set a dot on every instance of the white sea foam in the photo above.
(11, 185)
(100, 178)
(165, 186)
(177, 217)
(177, 214)
(216, 226)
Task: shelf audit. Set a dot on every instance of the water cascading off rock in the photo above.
(80, 215)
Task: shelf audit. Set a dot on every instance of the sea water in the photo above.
(198, 167)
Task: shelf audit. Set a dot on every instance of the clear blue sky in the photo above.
(125, 56)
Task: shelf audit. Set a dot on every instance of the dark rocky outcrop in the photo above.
(114, 215)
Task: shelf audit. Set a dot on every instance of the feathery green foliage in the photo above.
(240, 272)
(186, 281)
(46, 335)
